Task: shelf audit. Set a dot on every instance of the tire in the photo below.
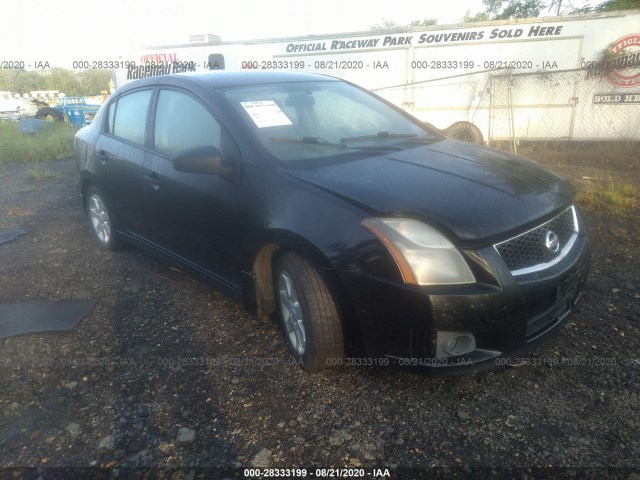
(464, 131)
(428, 125)
(50, 114)
(311, 324)
(101, 219)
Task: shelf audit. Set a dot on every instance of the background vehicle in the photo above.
(556, 78)
(73, 109)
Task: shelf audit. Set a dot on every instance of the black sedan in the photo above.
(370, 234)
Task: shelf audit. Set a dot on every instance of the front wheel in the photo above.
(102, 220)
(308, 313)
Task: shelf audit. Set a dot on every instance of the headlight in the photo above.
(423, 254)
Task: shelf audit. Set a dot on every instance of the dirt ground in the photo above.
(166, 372)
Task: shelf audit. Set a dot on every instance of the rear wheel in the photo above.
(102, 220)
(310, 319)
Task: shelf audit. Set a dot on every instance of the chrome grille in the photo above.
(529, 252)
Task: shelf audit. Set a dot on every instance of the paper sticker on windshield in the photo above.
(266, 114)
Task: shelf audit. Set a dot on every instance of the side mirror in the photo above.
(205, 159)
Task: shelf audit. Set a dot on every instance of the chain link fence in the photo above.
(569, 112)
(549, 107)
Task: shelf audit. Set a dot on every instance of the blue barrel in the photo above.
(75, 116)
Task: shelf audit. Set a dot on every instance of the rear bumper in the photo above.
(508, 316)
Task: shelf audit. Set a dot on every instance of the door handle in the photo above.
(101, 155)
(154, 180)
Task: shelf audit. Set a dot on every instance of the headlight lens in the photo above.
(423, 254)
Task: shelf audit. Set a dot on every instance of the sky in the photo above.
(61, 31)
(66, 30)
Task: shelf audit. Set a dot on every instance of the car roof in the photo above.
(226, 78)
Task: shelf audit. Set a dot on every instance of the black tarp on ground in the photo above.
(42, 316)
(11, 234)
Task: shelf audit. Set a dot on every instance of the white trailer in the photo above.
(574, 77)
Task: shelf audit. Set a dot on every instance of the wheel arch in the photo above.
(85, 182)
(280, 242)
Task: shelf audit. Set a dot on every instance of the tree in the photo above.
(476, 17)
(614, 5)
(384, 25)
(424, 23)
(86, 82)
(27, 80)
(505, 9)
(94, 80)
(388, 24)
(64, 80)
(8, 79)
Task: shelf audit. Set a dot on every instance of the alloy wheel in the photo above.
(292, 313)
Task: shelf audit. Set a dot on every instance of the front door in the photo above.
(191, 215)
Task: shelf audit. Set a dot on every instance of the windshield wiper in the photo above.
(379, 135)
(309, 141)
(326, 143)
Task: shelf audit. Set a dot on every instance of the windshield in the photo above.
(303, 120)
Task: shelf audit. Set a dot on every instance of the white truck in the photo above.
(570, 78)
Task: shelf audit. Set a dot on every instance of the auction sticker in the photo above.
(266, 114)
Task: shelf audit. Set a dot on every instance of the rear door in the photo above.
(119, 155)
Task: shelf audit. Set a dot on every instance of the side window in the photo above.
(182, 123)
(130, 116)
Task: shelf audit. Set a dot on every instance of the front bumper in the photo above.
(507, 315)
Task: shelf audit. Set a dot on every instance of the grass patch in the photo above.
(608, 197)
(16, 147)
(40, 172)
(617, 155)
(618, 158)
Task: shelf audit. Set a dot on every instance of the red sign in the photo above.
(627, 71)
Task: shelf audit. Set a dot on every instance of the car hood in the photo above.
(469, 192)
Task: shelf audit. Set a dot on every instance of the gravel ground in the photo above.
(167, 372)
